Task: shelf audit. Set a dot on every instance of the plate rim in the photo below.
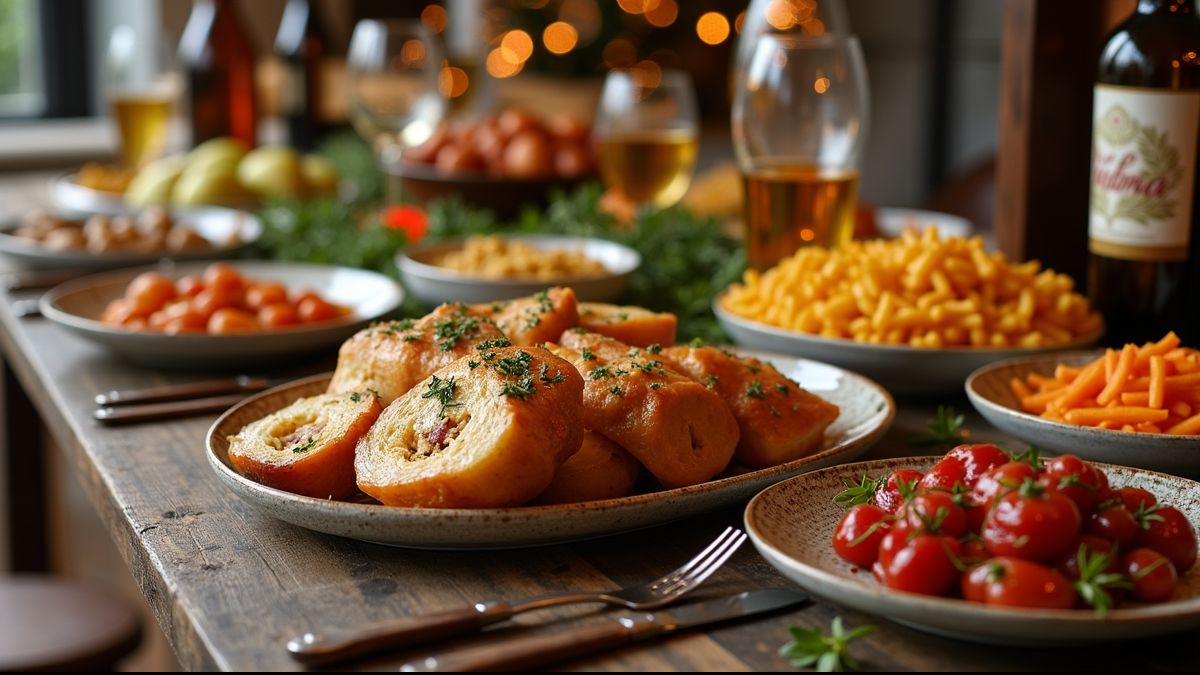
(632, 502)
(47, 303)
(742, 322)
(928, 603)
(1074, 431)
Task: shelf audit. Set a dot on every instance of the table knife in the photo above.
(174, 392)
(151, 412)
(534, 651)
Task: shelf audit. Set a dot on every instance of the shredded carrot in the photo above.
(1154, 388)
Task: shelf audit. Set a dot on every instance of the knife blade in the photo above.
(153, 412)
(534, 651)
(175, 392)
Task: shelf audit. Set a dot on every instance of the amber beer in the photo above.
(142, 121)
(788, 207)
(649, 167)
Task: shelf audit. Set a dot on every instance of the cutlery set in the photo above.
(170, 401)
(533, 650)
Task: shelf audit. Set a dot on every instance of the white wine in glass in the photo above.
(141, 90)
(646, 132)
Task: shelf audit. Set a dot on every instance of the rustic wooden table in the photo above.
(229, 585)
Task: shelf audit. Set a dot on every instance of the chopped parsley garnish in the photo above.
(306, 447)
(622, 316)
(522, 389)
(616, 391)
(494, 343)
(599, 372)
(752, 368)
(633, 352)
(515, 365)
(654, 349)
(711, 381)
(580, 329)
(543, 299)
(497, 306)
(620, 371)
(532, 321)
(545, 376)
(656, 385)
(648, 366)
(755, 390)
(588, 355)
(696, 342)
(450, 331)
(488, 356)
(443, 391)
(355, 396)
(412, 337)
(406, 324)
(473, 364)
(782, 388)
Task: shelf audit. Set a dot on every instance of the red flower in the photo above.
(411, 220)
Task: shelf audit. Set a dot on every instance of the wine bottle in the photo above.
(219, 63)
(1144, 221)
(301, 44)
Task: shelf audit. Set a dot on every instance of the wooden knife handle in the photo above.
(175, 392)
(150, 412)
(315, 649)
(533, 651)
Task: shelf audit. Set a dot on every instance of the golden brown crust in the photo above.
(489, 430)
(600, 470)
(681, 432)
(391, 357)
(635, 326)
(536, 319)
(308, 447)
(779, 421)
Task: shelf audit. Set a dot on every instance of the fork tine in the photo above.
(702, 572)
(700, 557)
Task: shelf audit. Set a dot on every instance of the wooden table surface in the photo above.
(229, 585)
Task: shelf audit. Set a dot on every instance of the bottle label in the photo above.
(1143, 169)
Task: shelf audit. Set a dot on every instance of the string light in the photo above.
(663, 14)
(712, 27)
(560, 37)
(499, 66)
(453, 81)
(516, 47)
(434, 16)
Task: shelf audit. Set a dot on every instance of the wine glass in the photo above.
(646, 130)
(392, 71)
(141, 86)
(799, 127)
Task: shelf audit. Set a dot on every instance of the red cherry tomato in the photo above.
(924, 565)
(262, 294)
(1013, 582)
(974, 552)
(1168, 531)
(1115, 524)
(1134, 499)
(1068, 562)
(1152, 574)
(189, 286)
(1075, 478)
(977, 458)
(209, 300)
(312, 309)
(948, 472)
(225, 321)
(185, 323)
(935, 512)
(149, 291)
(278, 315)
(1001, 479)
(224, 276)
(889, 494)
(1032, 523)
(858, 536)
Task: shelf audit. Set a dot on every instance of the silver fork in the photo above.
(338, 645)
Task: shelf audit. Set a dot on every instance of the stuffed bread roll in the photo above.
(600, 470)
(632, 325)
(489, 430)
(536, 319)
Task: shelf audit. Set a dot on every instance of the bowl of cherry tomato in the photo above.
(204, 315)
(983, 546)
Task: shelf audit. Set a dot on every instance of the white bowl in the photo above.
(433, 285)
(989, 391)
(900, 368)
(78, 304)
(892, 222)
(214, 223)
(792, 526)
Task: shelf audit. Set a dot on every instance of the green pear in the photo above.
(155, 181)
(272, 171)
(217, 150)
(208, 187)
(320, 176)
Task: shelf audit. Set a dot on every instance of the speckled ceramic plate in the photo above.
(792, 525)
(988, 389)
(900, 368)
(78, 304)
(866, 413)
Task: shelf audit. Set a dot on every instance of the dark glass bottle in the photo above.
(301, 44)
(1144, 224)
(219, 65)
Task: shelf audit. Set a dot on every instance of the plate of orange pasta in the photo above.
(1138, 405)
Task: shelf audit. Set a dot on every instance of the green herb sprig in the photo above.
(825, 654)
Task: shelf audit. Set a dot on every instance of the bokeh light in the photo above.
(412, 53)
(560, 37)
(821, 85)
(453, 81)
(499, 66)
(712, 28)
(434, 17)
(584, 15)
(619, 53)
(647, 74)
(663, 14)
(737, 23)
(516, 47)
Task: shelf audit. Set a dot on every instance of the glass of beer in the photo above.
(392, 80)
(646, 130)
(141, 86)
(799, 126)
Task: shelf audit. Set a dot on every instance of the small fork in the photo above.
(316, 649)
